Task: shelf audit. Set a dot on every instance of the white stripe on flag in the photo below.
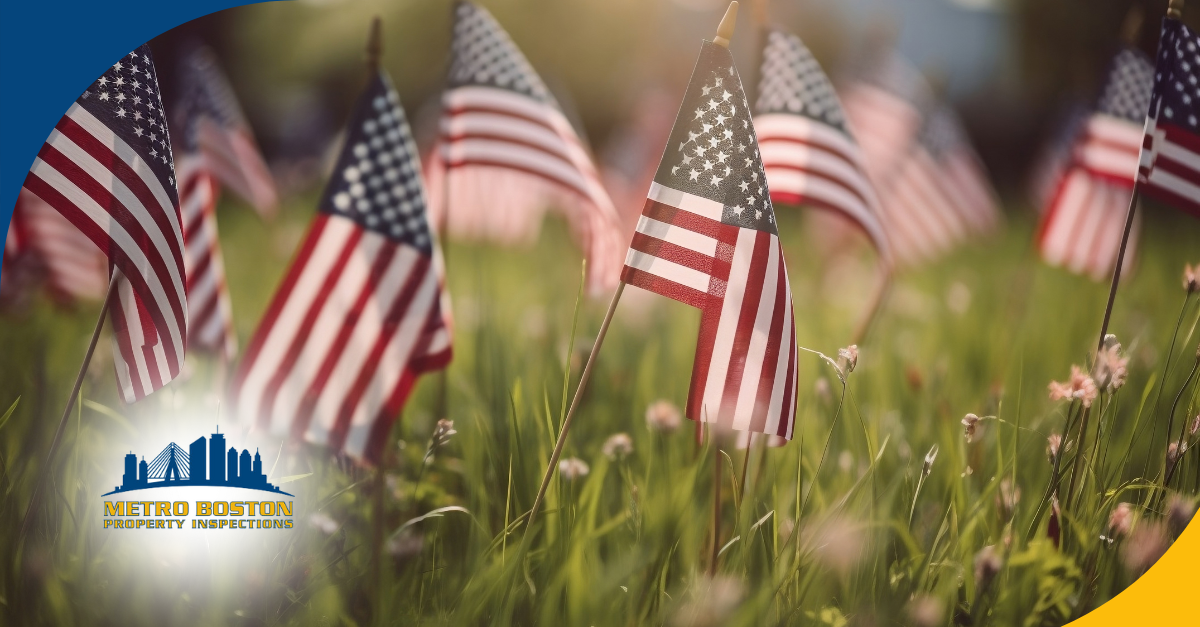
(348, 364)
(396, 357)
(718, 369)
(679, 236)
(668, 270)
(688, 202)
(332, 240)
(756, 353)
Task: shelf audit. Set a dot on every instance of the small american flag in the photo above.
(707, 238)
(1084, 221)
(107, 168)
(962, 174)
(508, 152)
(808, 152)
(933, 187)
(217, 146)
(215, 129)
(1055, 156)
(72, 267)
(358, 316)
(1170, 162)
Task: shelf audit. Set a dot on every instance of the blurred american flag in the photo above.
(358, 316)
(1084, 220)
(506, 153)
(217, 146)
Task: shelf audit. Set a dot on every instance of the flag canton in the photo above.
(483, 54)
(793, 82)
(942, 132)
(713, 151)
(1177, 87)
(206, 94)
(126, 99)
(896, 76)
(1127, 91)
(377, 180)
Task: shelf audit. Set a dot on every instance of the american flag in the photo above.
(1170, 162)
(358, 315)
(808, 152)
(215, 129)
(1084, 221)
(707, 238)
(72, 266)
(217, 147)
(107, 168)
(933, 188)
(1055, 157)
(962, 174)
(507, 152)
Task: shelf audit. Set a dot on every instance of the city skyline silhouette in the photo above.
(204, 463)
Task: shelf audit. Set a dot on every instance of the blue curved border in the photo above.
(51, 51)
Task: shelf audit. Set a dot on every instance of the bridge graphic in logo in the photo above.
(199, 465)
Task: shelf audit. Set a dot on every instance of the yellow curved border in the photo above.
(1162, 596)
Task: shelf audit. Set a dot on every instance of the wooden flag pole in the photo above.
(566, 426)
(374, 47)
(372, 59)
(62, 422)
(724, 32)
(1130, 29)
(716, 537)
(875, 305)
(442, 402)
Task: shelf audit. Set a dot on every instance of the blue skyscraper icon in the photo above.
(199, 465)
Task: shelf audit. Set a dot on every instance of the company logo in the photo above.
(207, 465)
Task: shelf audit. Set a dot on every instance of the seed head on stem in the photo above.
(970, 422)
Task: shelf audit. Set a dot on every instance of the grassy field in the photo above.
(881, 511)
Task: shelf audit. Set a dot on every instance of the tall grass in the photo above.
(847, 524)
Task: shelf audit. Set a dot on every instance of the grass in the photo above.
(880, 535)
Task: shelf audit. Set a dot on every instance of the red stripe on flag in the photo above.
(766, 381)
(93, 231)
(691, 221)
(706, 340)
(120, 214)
(390, 411)
(663, 287)
(788, 418)
(300, 335)
(508, 165)
(308, 402)
(295, 270)
(102, 153)
(747, 318)
(683, 256)
(391, 324)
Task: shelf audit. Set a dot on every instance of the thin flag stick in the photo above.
(716, 537)
(374, 52)
(441, 410)
(761, 21)
(583, 381)
(1112, 291)
(1130, 30)
(62, 422)
(878, 297)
